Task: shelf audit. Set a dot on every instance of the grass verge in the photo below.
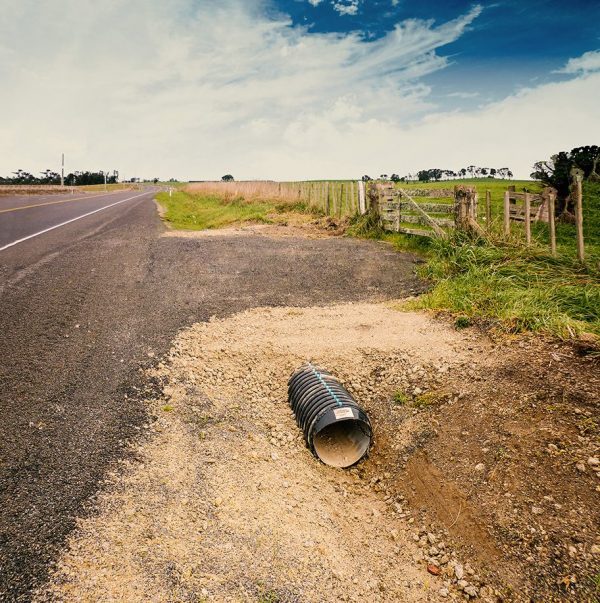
(199, 211)
(502, 282)
(520, 289)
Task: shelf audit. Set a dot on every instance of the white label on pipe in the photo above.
(343, 413)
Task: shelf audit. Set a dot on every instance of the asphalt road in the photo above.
(85, 305)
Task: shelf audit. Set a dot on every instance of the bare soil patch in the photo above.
(292, 224)
(474, 489)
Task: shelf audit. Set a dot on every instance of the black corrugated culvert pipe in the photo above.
(335, 428)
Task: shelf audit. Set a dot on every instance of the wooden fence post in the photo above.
(347, 199)
(551, 223)
(578, 182)
(334, 199)
(527, 204)
(327, 205)
(460, 207)
(362, 197)
(488, 209)
(506, 213)
(473, 203)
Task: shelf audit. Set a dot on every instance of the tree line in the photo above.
(50, 177)
(437, 174)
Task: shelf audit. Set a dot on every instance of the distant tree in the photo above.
(227, 178)
(492, 172)
(366, 178)
(556, 171)
(395, 178)
(424, 175)
(383, 177)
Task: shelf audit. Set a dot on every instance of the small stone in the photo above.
(434, 570)
(431, 538)
(593, 461)
(462, 584)
(580, 466)
(480, 467)
(471, 591)
(595, 549)
(443, 592)
(459, 571)
(537, 510)
(218, 502)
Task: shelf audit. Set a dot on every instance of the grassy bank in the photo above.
(519, 289)
(201, 211)
(508, 285)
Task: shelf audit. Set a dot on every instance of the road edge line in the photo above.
(41, 232)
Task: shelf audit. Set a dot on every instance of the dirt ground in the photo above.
(482, 483)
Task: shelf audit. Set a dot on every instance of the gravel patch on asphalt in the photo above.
(224, 501)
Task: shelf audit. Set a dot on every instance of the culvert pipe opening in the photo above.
(336, 429)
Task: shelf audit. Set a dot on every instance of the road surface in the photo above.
(90, 293)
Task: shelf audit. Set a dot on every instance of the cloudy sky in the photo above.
(295, 89)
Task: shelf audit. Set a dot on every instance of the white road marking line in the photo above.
(41, 232)
(19, 208)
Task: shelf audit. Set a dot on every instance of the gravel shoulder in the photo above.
(225, 502)
(472, 491)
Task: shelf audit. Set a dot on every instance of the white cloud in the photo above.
(196, 89)
(463, 95)
(346, 7)
(586, 63)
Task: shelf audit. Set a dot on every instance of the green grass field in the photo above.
(197, 211)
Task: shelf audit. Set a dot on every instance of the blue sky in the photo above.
(295, 89)
(512, 44)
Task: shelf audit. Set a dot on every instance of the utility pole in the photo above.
(62, 171)
(105, 187)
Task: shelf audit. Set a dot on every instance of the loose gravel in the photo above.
(225, 503)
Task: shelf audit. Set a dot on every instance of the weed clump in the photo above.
(400, 398)
(462, 322)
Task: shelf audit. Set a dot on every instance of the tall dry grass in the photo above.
(281, 192)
